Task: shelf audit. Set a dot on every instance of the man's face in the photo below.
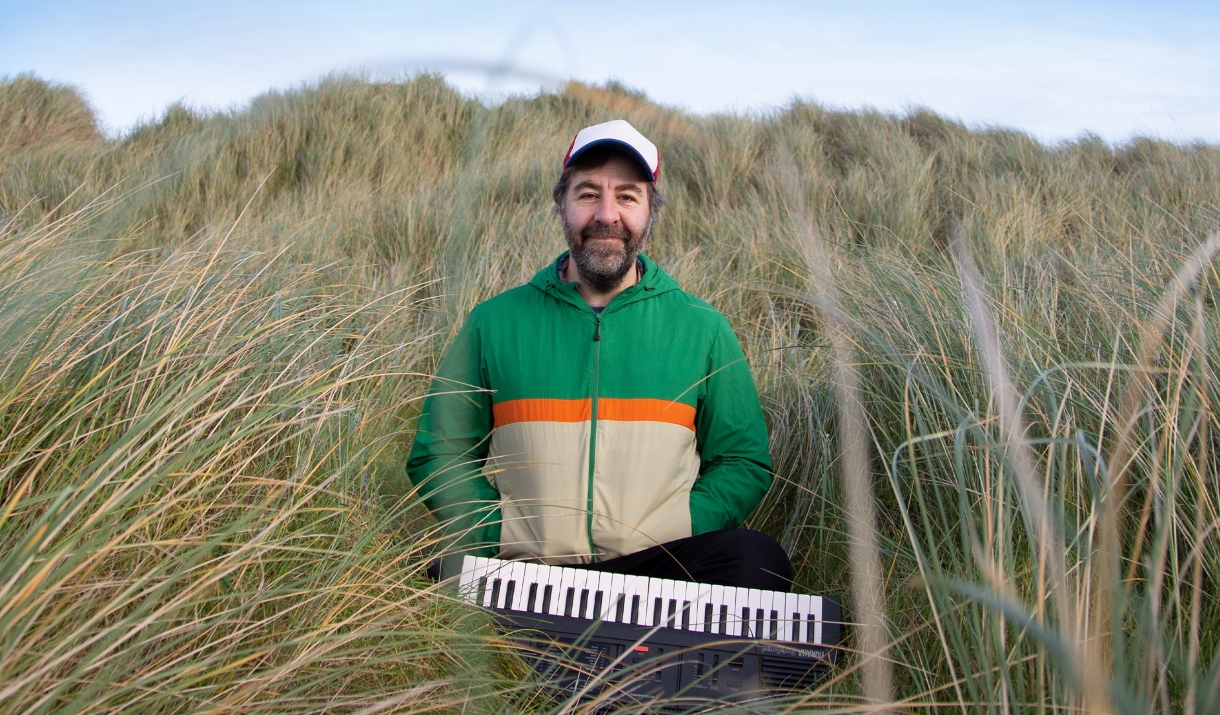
(605, 220)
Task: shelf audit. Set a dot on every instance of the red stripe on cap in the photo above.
(569, 154)
(657, 173)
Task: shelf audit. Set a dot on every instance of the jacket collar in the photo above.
(654, 282)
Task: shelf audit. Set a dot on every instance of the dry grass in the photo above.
(204, 418)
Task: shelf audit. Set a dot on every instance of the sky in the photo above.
(1056, 70)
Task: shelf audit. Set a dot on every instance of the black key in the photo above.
(707, 618)
(724, 621)
(686, 615)
(635, 610)
(584, 602)
(745, 621)
(597, 605)
(533, 595)
(673, 611)
(546, 599)
(508, 594)
(567, 607)
(618, 609)
(774, 626)
(656, 612)
(495, 593)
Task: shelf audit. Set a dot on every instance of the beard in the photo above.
(604, 263)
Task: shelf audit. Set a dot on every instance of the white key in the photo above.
(529, 578)
(698, 594)
(617, 582)
(515, 575)
(561, 594)
(491, 572)
(804, 606)
(682, 591)
(505, 574)
(477, 566)
(646, 610)
(464, 580)
(546, 601)
(580, 582)
(819, 614)
(716, 597)
(754, 599)
(634, 586)
(670, 592)
(740, 625)
(728, 598)
(773, 601)
(594, 583)
(790, 626)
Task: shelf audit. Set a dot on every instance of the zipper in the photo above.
(597, 364)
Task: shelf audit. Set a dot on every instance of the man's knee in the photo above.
(752, 559)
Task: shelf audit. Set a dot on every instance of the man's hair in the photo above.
(596, 158)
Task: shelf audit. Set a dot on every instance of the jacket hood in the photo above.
(654, 282)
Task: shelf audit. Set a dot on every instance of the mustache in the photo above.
(601, 230)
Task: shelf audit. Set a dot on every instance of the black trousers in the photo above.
(732, 557)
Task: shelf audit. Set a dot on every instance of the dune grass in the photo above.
(217, 328)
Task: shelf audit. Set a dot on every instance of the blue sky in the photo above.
(1055, 70)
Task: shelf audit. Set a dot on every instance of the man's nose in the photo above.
(607, 211)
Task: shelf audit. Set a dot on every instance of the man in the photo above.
(600, 415)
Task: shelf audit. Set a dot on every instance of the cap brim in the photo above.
(618, 144)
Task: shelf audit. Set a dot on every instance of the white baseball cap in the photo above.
(624, 136)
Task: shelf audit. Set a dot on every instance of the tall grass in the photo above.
(217, 328)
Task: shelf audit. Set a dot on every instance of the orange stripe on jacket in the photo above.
(645, 410)
(542, 410)
(618, 410)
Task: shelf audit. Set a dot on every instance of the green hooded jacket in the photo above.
(557, 434)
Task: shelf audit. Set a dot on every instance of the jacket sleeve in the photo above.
(735, 463)
(451, 444)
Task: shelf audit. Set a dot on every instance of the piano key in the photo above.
(668, 607)
(791, 605)
(614, 598)
(653, 609)
(530, 587)
(754, 603)
(475, 570)
(631, 588)
(738, 625)
(465, 580)
(580, 581)
(819, 615)
(698, 595)
(564, 599)
(487, 574)
(548, 598)
(593, 582)
(808, 613)
(726, 597)
(770, 615)
(514, 594)
(683, 600)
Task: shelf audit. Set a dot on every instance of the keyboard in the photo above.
(655, 640)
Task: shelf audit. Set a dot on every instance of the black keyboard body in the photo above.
(670, 669)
